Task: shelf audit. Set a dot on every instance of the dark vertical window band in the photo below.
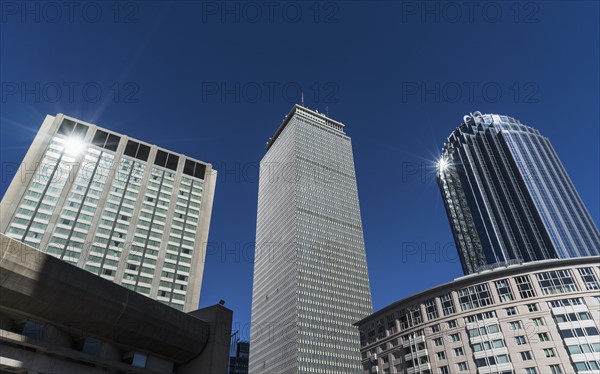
(185, 218)
(44, 192)
(150, 226)
(85, 194)
(118, 214)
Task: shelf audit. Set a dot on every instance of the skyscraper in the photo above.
(238, 356)
(508, 197)
(310, 272)
(120, 208)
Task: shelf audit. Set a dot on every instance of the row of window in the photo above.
(477, 296)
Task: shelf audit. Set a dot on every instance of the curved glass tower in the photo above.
(508, 197)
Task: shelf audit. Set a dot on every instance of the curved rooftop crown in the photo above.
(476, 122)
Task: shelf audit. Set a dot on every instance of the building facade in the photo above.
(125, 210)
(238, 357)
(536, 318)
(56, 318)
(508, 197)
(310, 272)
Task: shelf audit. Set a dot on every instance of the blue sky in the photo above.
(213, 80)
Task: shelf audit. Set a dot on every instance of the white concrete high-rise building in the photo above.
(120, 208)
(310, 272)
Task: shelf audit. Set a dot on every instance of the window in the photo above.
(498, 343)
(478, 347)
(135, 359)
(91, 346)
(32, 329)
(589, 279)
(462, 366)
(582, 331)
(520, 340)
(474, 296)
(504, 291)
(447, 304)
(410, 316)
(167, 160)
(431, 309)
(480, 317)
(511, 311)
(455, 337)
(391, 326)
(549, 352)
(584, 348)
(516, 325)
(435, 328)
(437, 341)
(532, 307)
(502, 359)
(565, 302)
(459, 352)
(538, 321)
(525, 355)
(530, 371)
(524, 286)
(452, 324)
(586, 366)
(557, 281)
(555, 369)
(194, 169)
(441, 355)
(444, 370)
(493, 329)
(581, 316)
(544, 337)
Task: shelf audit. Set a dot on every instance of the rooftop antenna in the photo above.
(302, 95)
(327, 110)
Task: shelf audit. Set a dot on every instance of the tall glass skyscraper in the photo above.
(310, 272)
(128, 211)
(508, 197)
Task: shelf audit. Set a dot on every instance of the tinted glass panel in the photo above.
(143, 152)
(113, 142)
(172, 162)
(66, 127)
(80, 130)
(200, 170)
(188, 168)
(131, 148)
(161, 158)
(100, 138)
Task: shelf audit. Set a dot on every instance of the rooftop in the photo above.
(301, 109)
